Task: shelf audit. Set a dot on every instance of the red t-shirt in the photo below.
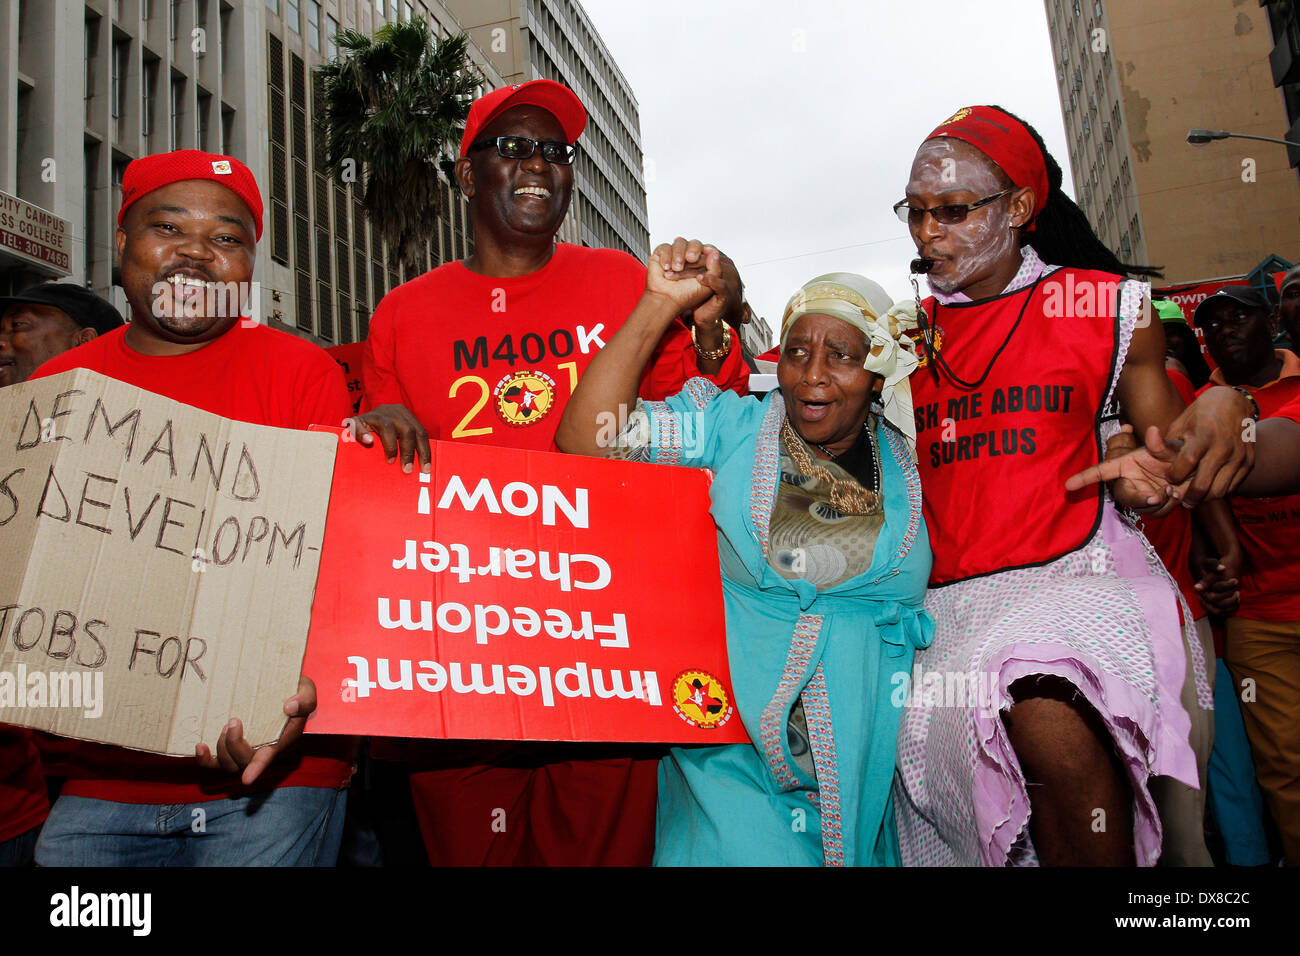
(23, 803)
(1268, 529)
(1171, 535)
(494, 360)
(251, 374)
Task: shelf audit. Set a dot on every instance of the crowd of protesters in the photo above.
(1137, 619)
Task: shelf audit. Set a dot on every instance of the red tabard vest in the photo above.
(993, 459)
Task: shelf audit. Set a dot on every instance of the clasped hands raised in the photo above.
(1204, 454)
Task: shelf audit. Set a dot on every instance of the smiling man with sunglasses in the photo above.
(489, 350)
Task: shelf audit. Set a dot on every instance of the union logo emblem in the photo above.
(958, 116)
(524, 398)
(922, 355)
(700, 699)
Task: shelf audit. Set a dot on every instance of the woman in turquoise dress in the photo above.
(824, 559)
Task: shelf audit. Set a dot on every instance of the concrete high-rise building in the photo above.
(86, 86)
(89, 85)
(1134, 77)
(555, 40)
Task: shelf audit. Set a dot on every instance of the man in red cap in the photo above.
(186, 241)
(489, 350)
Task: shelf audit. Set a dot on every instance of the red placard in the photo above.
(520, 595)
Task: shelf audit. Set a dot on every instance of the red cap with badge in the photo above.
(556, 98)
(148, 173)
(1005, 140)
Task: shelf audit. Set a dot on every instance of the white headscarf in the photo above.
(891, 353)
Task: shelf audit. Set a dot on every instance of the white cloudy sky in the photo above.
(789, 159)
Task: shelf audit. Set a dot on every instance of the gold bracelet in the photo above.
(717, 353)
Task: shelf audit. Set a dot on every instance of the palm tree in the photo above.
(396, 102)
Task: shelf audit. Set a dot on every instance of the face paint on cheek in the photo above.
(986, 243)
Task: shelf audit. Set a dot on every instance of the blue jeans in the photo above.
(290, 826)
(1234, 795)
(19, 850)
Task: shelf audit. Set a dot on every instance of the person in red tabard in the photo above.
(189, 219)
(1047, 599)
(489, 350)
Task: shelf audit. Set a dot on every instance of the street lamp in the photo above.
(1199, 137)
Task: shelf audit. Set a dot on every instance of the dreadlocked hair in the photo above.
(1062, 234)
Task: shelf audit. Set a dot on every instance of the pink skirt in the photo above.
(1106, 619)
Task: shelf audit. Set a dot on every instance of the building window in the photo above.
(177, 97)
(227, 130)
(291, 15)
(121, 52)
(1087, 126)
(173, 15)
(331, 30)
(202, 121)
(87, 84)
(313, 24)
(273, 6)
(409, 13)
(147, 80)
(379, 7)
(201, 22)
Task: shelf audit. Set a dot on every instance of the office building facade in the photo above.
(555, 40)
(1134, 76)
(89, 85)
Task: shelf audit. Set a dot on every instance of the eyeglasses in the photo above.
(948, 215)
(521, 147)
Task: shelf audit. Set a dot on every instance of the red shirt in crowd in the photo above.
(494, 360)
(1269, 527)
(23, 803)
(251, 374)
(1171, 536)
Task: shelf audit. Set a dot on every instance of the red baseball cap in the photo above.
(556, 98)
(148, 173)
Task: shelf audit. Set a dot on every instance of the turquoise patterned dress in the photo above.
(838, 657)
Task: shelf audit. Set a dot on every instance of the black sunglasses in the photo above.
(948, 215)
(521, 147)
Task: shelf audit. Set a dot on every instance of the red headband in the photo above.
(1006, 141)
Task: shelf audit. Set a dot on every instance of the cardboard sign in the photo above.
(518, 595)
(158, 566)
(349, 358)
